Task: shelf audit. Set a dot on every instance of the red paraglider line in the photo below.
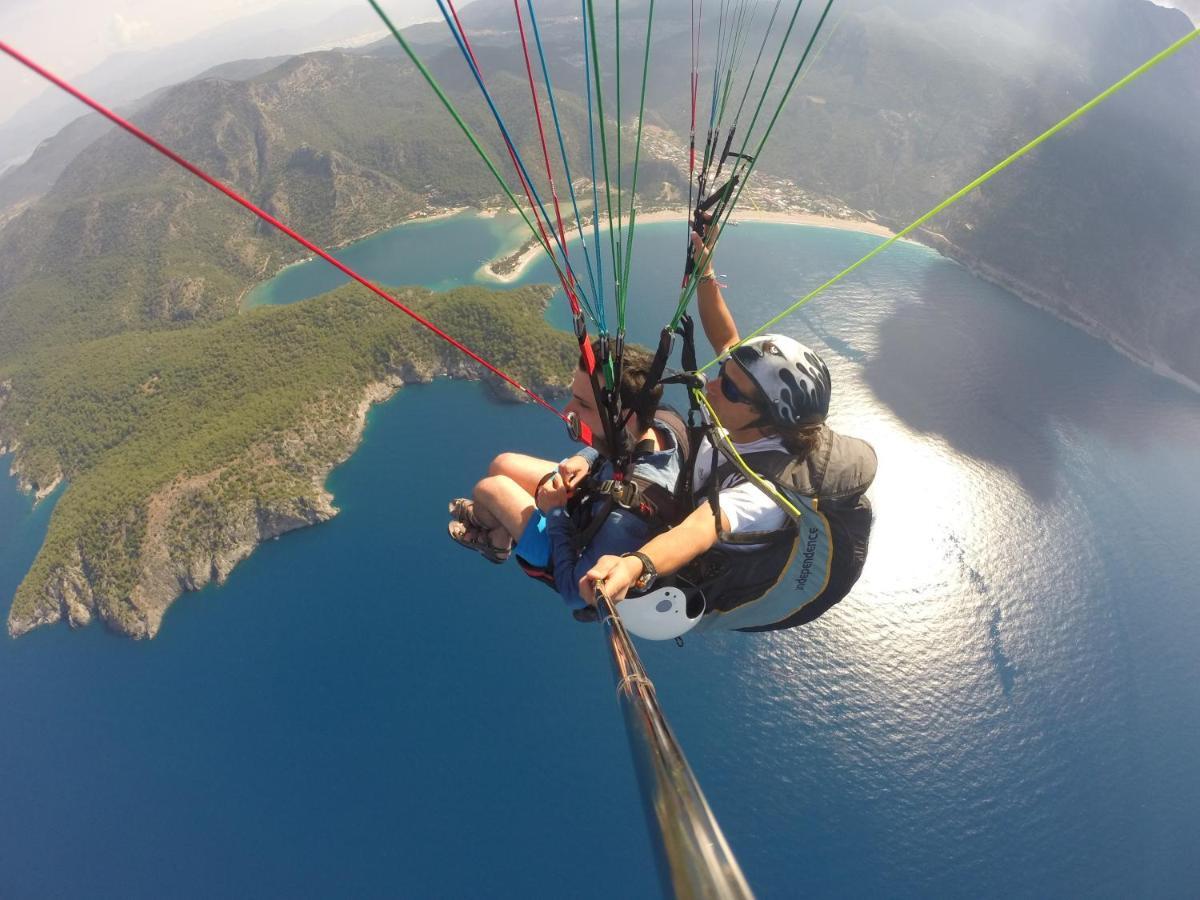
(537, 111)
(267, 217)
(568, 281)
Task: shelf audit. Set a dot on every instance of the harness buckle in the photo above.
(623, 493)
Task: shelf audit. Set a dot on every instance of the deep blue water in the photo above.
(1007, 705)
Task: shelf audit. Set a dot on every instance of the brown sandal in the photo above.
(462, 510)
(475, 538)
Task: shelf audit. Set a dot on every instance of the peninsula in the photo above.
(188, 448)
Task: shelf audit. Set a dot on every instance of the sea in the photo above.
(1007, 705)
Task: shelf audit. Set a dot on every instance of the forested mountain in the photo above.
(907, 102)
(33, 178)
(189, 432)
(184, 449)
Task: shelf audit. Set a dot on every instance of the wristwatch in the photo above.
(649, 573)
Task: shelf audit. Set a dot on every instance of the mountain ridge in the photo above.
(908, 102)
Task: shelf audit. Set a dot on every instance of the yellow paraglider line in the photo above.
(986, 176)
(720, 437)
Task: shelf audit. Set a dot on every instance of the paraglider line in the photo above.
(562, 148)
(570, 282)
(470, 136)
(725, 209)
(537, 112)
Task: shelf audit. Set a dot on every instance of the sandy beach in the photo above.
(679, 215)
(422, 216)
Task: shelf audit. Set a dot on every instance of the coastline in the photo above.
(518, 260)
(163, 577)
(277, 484)
(1052, 305)
(269, 521)
(417, 216)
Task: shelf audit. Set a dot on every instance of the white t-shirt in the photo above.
(747, 508)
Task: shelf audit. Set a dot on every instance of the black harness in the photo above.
(656, 505)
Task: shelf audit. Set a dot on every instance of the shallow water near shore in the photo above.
(1006, 705)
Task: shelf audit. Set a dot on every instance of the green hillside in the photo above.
(241, 419)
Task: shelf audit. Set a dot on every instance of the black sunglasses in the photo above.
(731, 391)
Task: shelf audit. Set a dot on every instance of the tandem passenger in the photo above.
(556, 517)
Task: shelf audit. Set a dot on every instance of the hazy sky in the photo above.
(72, 36)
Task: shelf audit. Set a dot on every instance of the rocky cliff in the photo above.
(194, 534)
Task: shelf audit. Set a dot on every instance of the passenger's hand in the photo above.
(698, 251)
(614, 575)
(552, 493)
(574, 470)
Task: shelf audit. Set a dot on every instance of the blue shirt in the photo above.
(622, 531)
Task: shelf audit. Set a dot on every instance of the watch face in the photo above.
(648, 575)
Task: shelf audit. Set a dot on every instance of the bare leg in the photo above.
(503, 507)
(504, 499)
(525, 471)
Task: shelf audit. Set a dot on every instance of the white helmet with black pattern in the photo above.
(791, 377)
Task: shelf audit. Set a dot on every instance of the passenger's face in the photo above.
(583, 403)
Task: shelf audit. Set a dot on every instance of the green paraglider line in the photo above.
(591, 13)
(740, 35)
(620, 269)
(986, 176)
(744, 175)
(562, 148)
(454, 114)
(637, 155)
(689, 286)
(757, 60)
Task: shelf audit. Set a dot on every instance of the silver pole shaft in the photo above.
(694, 859)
